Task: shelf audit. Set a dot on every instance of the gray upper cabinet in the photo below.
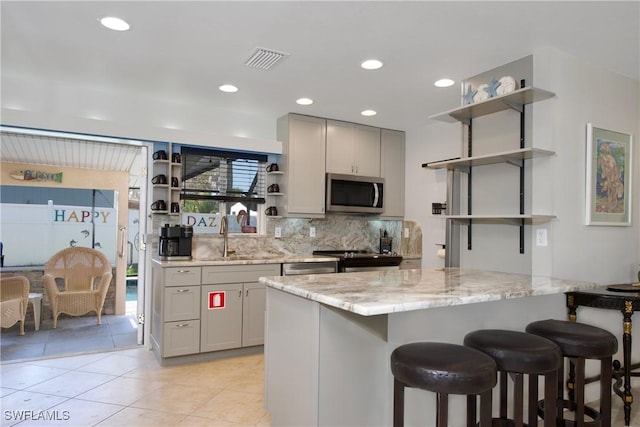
(303, 164)
(353, 149)
(392, 159)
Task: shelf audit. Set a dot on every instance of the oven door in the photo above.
(369, 263)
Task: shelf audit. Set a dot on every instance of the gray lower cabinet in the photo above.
(221, 327)
(254, 304)
(241, 322)
(175, 317)
(208, 308)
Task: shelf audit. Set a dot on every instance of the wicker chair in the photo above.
(85, 275)
(14, 298)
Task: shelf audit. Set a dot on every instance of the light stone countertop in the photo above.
(392, 291)
(245, 260)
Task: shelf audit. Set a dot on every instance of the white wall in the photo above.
(575, 251)
(425, 186)
(603, 254)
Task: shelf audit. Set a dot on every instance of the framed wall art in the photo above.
(608, 192)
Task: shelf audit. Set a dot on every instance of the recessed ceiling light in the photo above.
(228, 88)
(371, 64)
(369, 113)
(304, 101)
(444, 83)
(113, 23)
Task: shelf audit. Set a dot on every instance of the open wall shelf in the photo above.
(512, 101)
(515, 101)
(515, 157)
(501, 219)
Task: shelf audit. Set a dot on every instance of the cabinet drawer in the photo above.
(181, 303)
(238, 273)
(180, 338)
(181, 276)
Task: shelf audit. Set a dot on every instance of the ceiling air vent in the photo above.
(264, 59)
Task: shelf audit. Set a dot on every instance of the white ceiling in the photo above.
(178, 53)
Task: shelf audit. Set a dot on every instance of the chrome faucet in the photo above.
(224, 230)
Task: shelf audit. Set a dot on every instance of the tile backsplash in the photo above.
(332, 232)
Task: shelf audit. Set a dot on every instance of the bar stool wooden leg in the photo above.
(532, 408)
(518, 400)
(485, 409)
(551, 410)
(472, 410)
(398, 403)
(504, 392)
(442, 413)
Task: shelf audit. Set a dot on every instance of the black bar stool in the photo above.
(518, 354)
(579, 342)
(443, 369)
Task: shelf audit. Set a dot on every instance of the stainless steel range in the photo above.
(362, 260)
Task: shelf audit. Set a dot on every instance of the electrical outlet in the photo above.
(406, 232)
(312, 232)
(541, 237)
(278, 232)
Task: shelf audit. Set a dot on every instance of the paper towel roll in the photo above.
(441, 253)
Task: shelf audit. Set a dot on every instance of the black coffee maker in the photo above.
(175, 242)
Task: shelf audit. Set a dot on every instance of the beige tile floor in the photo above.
(129, 388)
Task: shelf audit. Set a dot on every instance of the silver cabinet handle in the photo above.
(239, 293)
(184, 290)
(183, 271)
(182, 325)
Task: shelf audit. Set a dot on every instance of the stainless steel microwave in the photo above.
(354, 194)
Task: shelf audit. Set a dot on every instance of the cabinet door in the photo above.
(367, 151)
(304, 151)
(180, 338)
(392, 170)
(221, 326)
(255, 296)
(341, 137)
(181, 303)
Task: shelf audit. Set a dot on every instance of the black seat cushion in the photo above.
(443, 368)
(576, 339)
(516, 351)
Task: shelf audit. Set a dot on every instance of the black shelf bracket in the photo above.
(469, 180)
(522, 183)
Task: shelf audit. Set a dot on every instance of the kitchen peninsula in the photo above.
(329, 337)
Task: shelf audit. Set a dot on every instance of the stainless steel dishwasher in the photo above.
(300, 268)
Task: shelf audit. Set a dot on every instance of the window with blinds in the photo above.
(225, 176)
(228, 183)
